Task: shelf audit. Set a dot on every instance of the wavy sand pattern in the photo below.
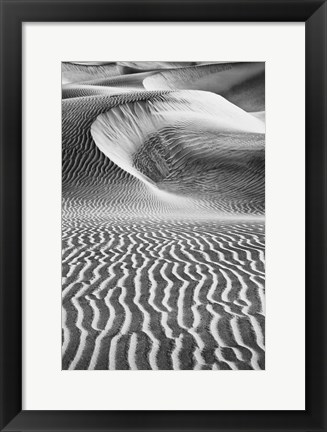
(163, 235)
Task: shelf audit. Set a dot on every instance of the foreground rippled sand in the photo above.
(163, 216)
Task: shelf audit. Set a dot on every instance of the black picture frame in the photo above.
(13, 14)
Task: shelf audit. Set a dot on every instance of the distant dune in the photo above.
(163, 234)
(73, 72)
(126, 81)
(154, 65)
(240, 83)
(83, 90)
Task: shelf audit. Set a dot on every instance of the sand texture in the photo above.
(163, 203)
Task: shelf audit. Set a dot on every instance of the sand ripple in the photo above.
(163, 238)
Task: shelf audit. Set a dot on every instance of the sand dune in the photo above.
(141, 66)
(129, 81)
(154, 65)
(82, 90)
(163, 246)
(241, 83)
(78, 72)
(193, 144)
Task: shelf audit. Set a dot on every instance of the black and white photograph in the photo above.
(163, 215)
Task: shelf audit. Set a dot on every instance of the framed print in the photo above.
(163, 215)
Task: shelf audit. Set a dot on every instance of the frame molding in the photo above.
(13, 14)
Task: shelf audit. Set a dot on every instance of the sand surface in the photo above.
(163, 233)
